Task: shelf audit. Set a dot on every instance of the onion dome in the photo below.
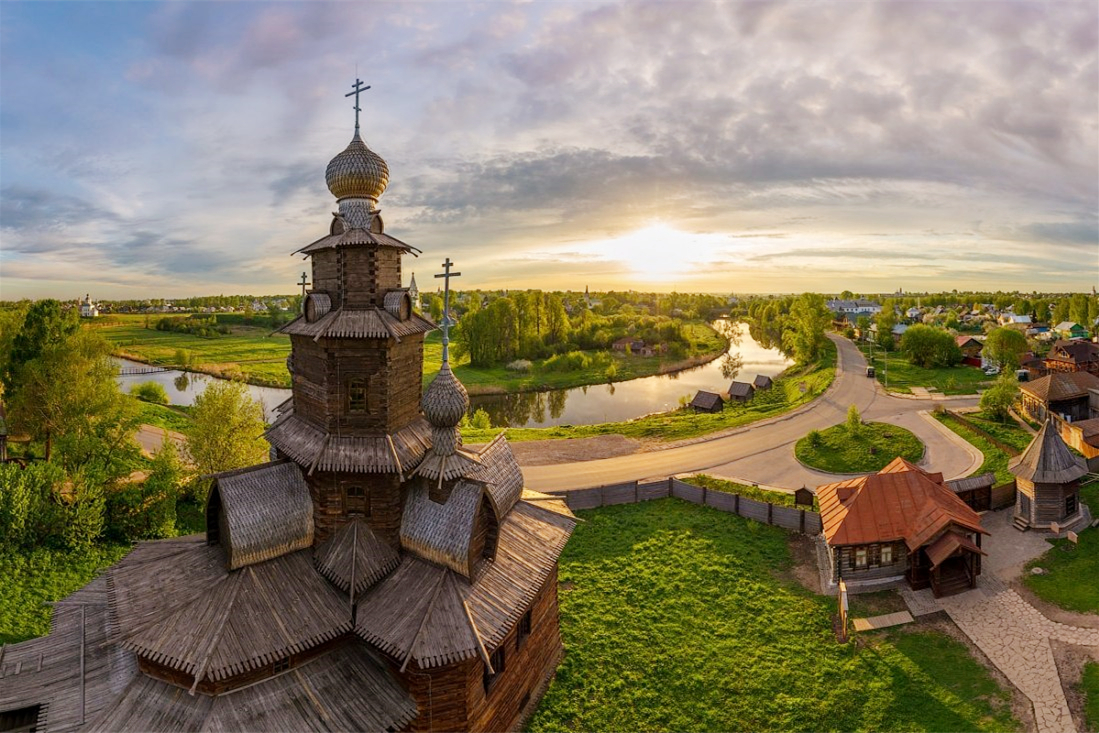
(357, 172)
(445, 401)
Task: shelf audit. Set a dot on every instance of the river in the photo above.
(577, 406)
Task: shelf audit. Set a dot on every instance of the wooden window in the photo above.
(282, 665)
(497, 660)
(887, 554)
(356, 395)
(524, 630)
(1070, 505)
(355, 498)
(860, 557)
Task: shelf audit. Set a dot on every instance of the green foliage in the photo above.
(895, 371)
(854, 422)
(712, 483)
(886, 320)
(147, 509)
(814, 439)
(29, 510)
(203, 326)
(997, 400)
(995, 458)
(803, 335)
(150, 392)
(871, 448)
(226, 433)
(679, 617)
(83, 511)
(929, 347)
(45, 324)
(1005, 346)
(480, 420)
(40, 575)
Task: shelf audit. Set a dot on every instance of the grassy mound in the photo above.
(871, 449)
(677, 617)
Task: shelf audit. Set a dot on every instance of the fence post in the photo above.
(770, 512)
(602, 495)
(736, 504)
(703, 496)
(670, 486)
(801, 520)
(636, 495)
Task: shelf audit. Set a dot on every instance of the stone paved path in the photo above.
(1015, 637)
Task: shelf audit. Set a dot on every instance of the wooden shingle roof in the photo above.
(970, 483)
(346, 689)
(741, 389)
(358, 323)
(227, 623)
(262, 512)
(398, 614)
(901, 502)
(500, 472)
(319, 451)
(762, 381)
(1060, 386)
(442, 533)
(707, 400)
(355, 558)
(1047, 460)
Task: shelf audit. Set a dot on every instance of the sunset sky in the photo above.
(172, 149)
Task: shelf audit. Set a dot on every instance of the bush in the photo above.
(83, 511)
(29, 514)
(148, 510)
(930, 347)
(150, 392)
(854, 421)
(814, 438)
(998, 399)
(519, 365)
(480, 420)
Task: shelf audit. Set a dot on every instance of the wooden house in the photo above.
(741, 391)
(707, 402)
(762, 382)
(375, 576)
(1073, 356)
(1047, 481)
(1066, 394)
(970, 348)
(901, 522)
(1070, 330)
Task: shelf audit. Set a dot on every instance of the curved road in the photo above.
(763, 452)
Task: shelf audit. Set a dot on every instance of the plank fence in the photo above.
(632, 492)
(1003, 495)
(1010, 450)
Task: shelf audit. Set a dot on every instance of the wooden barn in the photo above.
(901, 522)
(1047, 482)
(707, 402)
(762, 381)
(375, 576)
(741, 391)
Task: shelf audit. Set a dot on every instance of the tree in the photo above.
(930, 347)
(226, 432)
(998, 399)
(1005, 347)
(803, 337)
(886, 320)
(854, 421)
(44, 324)
(147, 510)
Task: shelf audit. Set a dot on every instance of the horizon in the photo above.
(156, 150)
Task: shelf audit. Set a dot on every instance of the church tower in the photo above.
(356, 361)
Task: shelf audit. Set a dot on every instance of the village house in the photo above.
(1083, 436)
(970, 348)
(1070, 395)
(1070, 330)
(375, 575)
(1073, 356)
(901, 523)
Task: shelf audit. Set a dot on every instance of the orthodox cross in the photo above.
(356, 89)
(447, 323)
(303, 283)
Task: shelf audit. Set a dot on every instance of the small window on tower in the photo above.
(356, 395)
(355, 492)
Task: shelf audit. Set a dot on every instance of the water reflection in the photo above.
(626, 400)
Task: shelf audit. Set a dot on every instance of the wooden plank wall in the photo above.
(630, 492)
(1003, 495)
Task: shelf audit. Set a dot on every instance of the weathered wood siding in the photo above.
(381, 503)
(1047, 501)
(326, 274)
(843, 562)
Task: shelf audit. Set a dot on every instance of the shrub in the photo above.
(519, 365)
(854, 421)
(814, 438)
(150, 392)
(28, 511)
(480, 420)
(998, 399)
(83, 511)
(611, 372)
(148, 510)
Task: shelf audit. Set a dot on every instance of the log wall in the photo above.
(382, 501)
(1047, 501)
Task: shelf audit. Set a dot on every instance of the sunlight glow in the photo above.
(660, 253)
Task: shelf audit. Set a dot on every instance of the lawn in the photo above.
(33, 578)
(1090, 684)
(793, 388)
(995, 458)
(871, 449)
(677, 617)
(1071, 570)
(713, 483)
(893, 370)
(173, 417)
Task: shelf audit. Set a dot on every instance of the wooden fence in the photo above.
(1010, 450)
(1003, 495)
(631, 492)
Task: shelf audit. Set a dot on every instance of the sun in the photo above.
(661, 253)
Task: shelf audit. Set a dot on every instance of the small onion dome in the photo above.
(357, 172)
(445, 401)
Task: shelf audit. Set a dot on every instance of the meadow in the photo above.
(681, 617)
(894, 371)
(995, 458)
(871, 448)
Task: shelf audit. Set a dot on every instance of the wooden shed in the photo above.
(1047, 481)
(707, 402)
(762, 382)
(741, 391)
(975, 491)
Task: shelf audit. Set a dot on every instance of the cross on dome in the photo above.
(447, 323)
(356, 89)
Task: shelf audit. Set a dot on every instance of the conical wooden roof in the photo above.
(1047, 460)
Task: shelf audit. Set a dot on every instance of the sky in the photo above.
(174, 149)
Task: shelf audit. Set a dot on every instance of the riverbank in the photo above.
(792, 389)
(258, 357)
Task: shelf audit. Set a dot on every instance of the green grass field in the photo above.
(170, 417)
(1090, 684)
(259, 357)
(787, 394)
(677, 617)
(839, 452)
(995, 458)
(1071, 570)
(893, 370)
(714, 483)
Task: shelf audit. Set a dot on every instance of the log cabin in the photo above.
(376, 575)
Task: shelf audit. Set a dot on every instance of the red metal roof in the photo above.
(900, 502)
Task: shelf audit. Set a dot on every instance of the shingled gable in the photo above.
(259, 513)
(355, 558)
(395, 453)
(1047, 460)
(901, 502)
(443, 532)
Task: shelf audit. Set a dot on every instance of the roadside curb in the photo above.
(976, 458)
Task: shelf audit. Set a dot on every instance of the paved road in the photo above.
(150, 437)
(763, 453)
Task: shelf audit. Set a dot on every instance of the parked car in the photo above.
(1022, 375)
(992, 371)
(870, 371)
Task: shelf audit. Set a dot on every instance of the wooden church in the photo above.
(376, 575)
